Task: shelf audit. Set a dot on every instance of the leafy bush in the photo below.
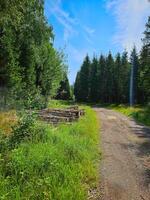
(23, 130)
(34, 100)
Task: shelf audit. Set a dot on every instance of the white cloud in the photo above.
(53, 7)
(89, 30)
(72, 26)
(131, 16)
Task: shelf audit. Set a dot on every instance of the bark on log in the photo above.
(56, 116)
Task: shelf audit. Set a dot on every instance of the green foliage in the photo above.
(93, 83)
(23, 130)
(60, 103)
(116, 80)
(104, 80)
(144, 69)
(57, 163)
(64, 91)
(81, 86)
(134, 77)
(29, 64)
(3, 142)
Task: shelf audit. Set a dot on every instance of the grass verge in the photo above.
(139, 113)
(40, 161)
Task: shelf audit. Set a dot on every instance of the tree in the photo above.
(144, 69)
(109, 79)
(93, 81)
(64, 92)
(29, 65)
(77, 87)
(82, 81)
(101, 81)
(125, 77)
(133, 77)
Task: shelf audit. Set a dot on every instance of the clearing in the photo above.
(125, 166)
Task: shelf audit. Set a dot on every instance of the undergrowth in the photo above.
(7, 120)
(39, 161)
(60, 103)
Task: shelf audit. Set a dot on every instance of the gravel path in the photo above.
(125, 166)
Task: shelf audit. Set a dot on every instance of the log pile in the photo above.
(57, 116)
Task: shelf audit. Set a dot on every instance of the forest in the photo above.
(31, 69)
(41, 159)
(108, 79)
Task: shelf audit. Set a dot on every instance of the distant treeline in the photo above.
(107, 79)
(31, 70)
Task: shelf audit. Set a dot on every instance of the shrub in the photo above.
(23, 130)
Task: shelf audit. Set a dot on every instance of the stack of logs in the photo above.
(57, 116)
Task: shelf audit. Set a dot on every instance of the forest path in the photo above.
(125, 165)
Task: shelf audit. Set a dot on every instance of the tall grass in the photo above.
(139, 113)
(52, 163)
(7, 120)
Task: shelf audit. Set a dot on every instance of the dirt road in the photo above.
(125, 167)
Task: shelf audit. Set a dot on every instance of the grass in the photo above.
(52, 163)
(139, 113)
(7, 120)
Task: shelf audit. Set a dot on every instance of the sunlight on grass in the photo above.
(54, 163)
(7, 120)
(140, 114)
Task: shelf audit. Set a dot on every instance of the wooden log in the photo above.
(61, 115)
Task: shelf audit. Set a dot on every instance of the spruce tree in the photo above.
(116, 79)
(77, 90)
(64, 92)
(93, 85)
(84, 80)
(109, 79)
(144, 69)
(125, 77)
(101, 80)
(133, 77)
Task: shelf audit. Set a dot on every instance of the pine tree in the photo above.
(77, 90)
(83, 94)
(144, 69)
(93, 85)
(101, 80)
(117, 79)
(64, 92)
(109, 78)
(125, 77)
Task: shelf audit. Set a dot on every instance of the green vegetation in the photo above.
(7, 120)
(39, 161)
(59, 103)
(31, 69)
(139, 113)
(64, 91)
(108, 79)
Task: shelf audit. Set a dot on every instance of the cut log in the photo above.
(56, 116)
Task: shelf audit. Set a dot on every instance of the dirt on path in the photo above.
(125, 165)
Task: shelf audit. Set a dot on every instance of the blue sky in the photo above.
(95, 26)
